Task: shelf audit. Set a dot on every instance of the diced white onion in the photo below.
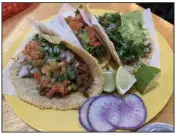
(24, 70)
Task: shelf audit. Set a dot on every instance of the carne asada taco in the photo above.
(126, 37)
(50, 73)
(88, 37)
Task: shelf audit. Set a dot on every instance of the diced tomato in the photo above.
(34, 44)
(58, 89)
(93, 40)
(89, 29)
(55, 90)
(37, 77)
(34, 51)
(80, 25)
(74, 26)
(75, 23)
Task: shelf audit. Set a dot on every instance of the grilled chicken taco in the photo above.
(86, 34)
(50, 73)
(126, 37)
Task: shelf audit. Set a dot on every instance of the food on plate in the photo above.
(111, 112)
(127, 32)
(109, 85)
(126, 38)
(88, 36)
(60, 76)
(123, 80)
(147, 77)
(120, 80)
(57, 68)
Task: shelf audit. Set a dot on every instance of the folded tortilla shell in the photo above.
(26, 88)
(111, 46)
(70, 9)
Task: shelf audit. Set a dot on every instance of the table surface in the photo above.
(13, 27)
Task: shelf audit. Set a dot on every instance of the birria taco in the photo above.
(51, 73)
(126, 37)
(88, 37)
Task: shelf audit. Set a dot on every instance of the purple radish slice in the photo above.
(133, 113)
(83, 111)
(101, 109)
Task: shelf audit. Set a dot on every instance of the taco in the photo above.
(126, 37)
(88, 37)
(50, 73)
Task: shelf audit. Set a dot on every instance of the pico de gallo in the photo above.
(86, 35)
(56, 70)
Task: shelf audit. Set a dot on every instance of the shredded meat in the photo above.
(45, 83)
(51, 89)
(83, 79)
(43, 92)
(58, 88)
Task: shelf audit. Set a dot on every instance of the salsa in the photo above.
(86, 35)
(56, 69)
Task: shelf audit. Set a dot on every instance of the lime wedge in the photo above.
(147, 77)
(124, 80)
(109, 85)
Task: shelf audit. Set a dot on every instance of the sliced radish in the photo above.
(111, 112)
(133, 113)
(103, 108)
(83, 111)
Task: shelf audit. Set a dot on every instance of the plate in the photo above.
(52, 120)
(157, 127)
